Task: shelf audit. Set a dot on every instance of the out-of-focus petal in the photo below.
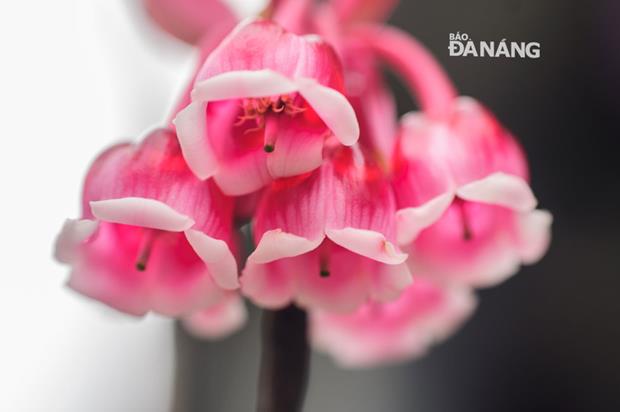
(72, 234)
(189, 20)
(218, 321)
(534, 235)
(384, 333)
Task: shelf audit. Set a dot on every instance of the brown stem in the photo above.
(285, 358)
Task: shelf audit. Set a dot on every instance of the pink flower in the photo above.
(190, 20)
(379, 333)
(218, 321)
(466, 177)
(262, 107)
(325, 239)
(152, 237)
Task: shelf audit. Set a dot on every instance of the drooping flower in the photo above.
(218, 321)
(190, 20)
(326, 239)
(379, 333)
(466, 209)
(152, 237)
(262, 107)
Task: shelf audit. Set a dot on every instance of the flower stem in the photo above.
(284, 368)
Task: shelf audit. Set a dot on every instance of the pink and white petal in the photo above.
(412, 220)
(261, 45)
(333, 108)
(243, 174)
(296, 151)
(370, 244)
(534, 235)
(136, 211)
(219, 321)
(389, 281)
(270, 285)
(276, 244)
(487, 268)
(95, 282)
(295, 206)
(500, 189)
(217, 256)
(345, 289)
(191, 127)
(242, 84)
(71, 236)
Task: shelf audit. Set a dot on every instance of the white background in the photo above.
(75, 76)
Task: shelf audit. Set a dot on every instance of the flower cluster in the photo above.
(379, 227)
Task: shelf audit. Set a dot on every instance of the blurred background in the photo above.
(78, 75)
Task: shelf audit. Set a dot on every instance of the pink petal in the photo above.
(298, 148)
(487, 257)
(292, 206)
(535, 235)
(346, 287)
(191, 126)
(242, 83)
(359, 196)
(385, 333)
(500, 189)
(333, 108)
(72, 235)
(276, 244)
(189, 20)
(367, 243)
(219, 321)
(263, 45)
(243, 174)
(412, 220)
(217, 256)
(389, 281)
(142, 212)
(270, 285)
(174, 282)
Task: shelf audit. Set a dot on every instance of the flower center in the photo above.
(263, 112)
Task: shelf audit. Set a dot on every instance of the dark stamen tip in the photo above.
(324, 273)
(269, 148)
(141, 266)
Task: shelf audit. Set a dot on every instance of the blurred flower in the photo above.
(152, 237)
(356, 11)
(190, 20)
(218, 321)
(325, 239)
(263, 104)
(466, 209)
(380, 333)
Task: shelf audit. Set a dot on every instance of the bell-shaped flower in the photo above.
(263, 104)
(466, 177)
(152, 237)
(326, 239)
(379, 333)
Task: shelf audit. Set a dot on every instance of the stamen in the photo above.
(271, 133)
(144, 251)
(467, 232)
(324, 268)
